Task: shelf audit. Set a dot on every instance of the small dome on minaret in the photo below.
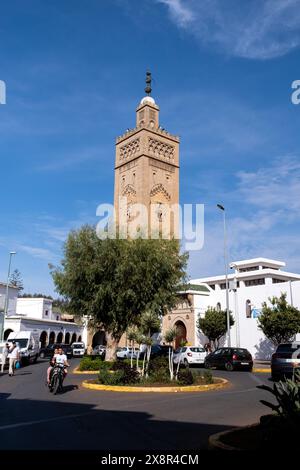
(148, 100)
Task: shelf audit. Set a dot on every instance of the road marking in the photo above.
(40, 421)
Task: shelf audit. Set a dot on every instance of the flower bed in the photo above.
(120, 374)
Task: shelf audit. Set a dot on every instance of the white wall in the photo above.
(250, 336)
(12, 299)
(28, 324)
(36, 308)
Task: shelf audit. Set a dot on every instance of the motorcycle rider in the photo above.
(61, 359)
(52, 364)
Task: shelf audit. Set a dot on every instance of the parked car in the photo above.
(190, 355)
(285, 360)
(99, 350)
(78, 349)
(127, 353)
(157, 350)
(229, 359)
(48, 351)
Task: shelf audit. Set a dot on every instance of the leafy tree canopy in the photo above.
(214, 324)
(280, 322)
(16, 280)
(114, 281)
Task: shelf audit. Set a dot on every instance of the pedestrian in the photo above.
(5, 352)
(13, 356)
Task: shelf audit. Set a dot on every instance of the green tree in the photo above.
(170, 336)
(150, 323)
(280, 322)
(214, 324)
(16, 280)
(114, 281)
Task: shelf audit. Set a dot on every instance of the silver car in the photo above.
(127, 353)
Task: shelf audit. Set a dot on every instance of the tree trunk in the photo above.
(111, 347)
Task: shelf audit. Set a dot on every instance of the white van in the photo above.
(28, 342)
(78, 349)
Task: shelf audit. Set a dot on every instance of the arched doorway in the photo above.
(99, 338)
(73, 340)
(181, 334)
(7, 333)
(59, 338)
(79, 339)
(43, 339)
(52, 337)
(67, 338)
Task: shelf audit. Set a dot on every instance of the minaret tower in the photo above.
(147, 162)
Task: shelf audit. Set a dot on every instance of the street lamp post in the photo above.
(236, 308)
(6, 295)
(222, 208)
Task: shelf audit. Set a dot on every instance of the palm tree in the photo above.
(170, 337)
(131, 335)
(150, 323)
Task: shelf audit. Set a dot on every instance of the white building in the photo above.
(251, 283)
(12, 298)
(37, 308)
(37, 314)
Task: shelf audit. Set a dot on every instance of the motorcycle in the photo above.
(56, 379)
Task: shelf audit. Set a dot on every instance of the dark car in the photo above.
(48, 351)
(158, 350)
(229, 359)
(285, 360)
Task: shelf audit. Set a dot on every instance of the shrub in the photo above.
(282, 428)
(208, 377)
(87, 363)
(185, 377)
(159, 364)
(130, 376)
(107, 378)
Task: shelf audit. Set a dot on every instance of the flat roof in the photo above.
(10, 286)
(250, 274)
(40, 320)
(258, 261)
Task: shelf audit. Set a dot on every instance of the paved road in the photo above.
(32, 418)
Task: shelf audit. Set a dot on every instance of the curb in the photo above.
(188, 388)
(88, 372)
(215, 440)
(262, 371)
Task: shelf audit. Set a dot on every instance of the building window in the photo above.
(57, 318)
(218, 307)
(223, 285)
(250, 268)
(46, 313)
(277, 281)
(212, 286)
(255, 282)
(248, 308)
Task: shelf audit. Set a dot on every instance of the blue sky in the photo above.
(74, 73)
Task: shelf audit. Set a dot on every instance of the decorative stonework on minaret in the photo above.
(147, 161)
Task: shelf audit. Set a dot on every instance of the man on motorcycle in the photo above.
(61, 359)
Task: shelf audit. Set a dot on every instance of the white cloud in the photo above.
(36, 252)
(267, 222)
(253, 29)
(275, 187)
